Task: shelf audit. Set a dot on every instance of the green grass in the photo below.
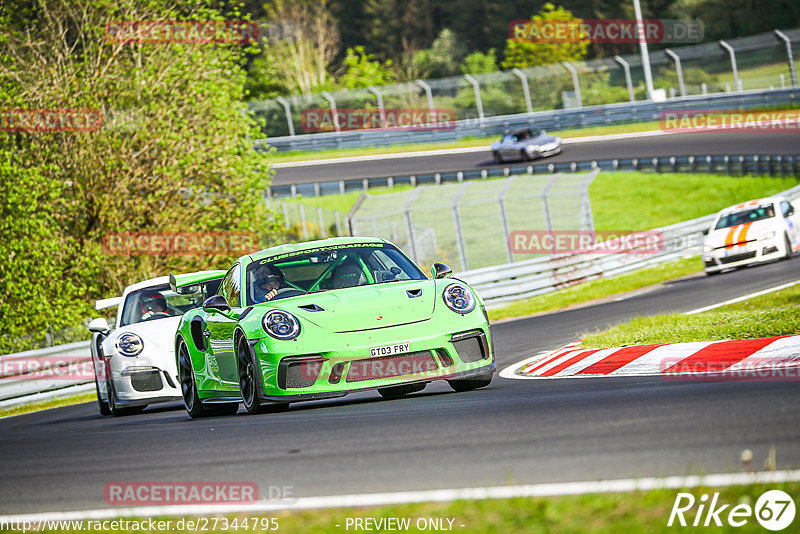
(642, 201)
(598, 289)
(608, 513)
(66, 401)
(774, 314)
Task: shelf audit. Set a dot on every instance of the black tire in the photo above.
(468, 384)
(101, 404)
(712, 273)
(788, 243)
(248, 383)
(497, 157)
(396, 392)
(525, 156)
(119, 411)
(191, 400)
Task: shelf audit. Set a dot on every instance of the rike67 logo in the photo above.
(774, 510)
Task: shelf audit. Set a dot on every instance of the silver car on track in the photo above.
(525, 144)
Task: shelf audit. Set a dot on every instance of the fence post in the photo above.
(676, 58)
(381, 109)
(288, 109)
(525, 89)
(350, 214)
(303, 221)
(575, 83)
(409, 223)
(627, 67)
(788, 42)
(322, 230)
(504, 218)
(429, 94)
(327, 96)
(462, 251)
(477, 89)
(338, 223)
(736, 81)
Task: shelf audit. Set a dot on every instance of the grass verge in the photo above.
(598, 289)
(55, 403)
(775, 314)
(640, 511)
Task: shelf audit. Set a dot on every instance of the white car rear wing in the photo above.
(107, 303)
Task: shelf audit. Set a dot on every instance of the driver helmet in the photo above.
(268, 273)
(153, 302)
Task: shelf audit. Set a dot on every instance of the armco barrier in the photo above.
(552, 120)
(14, 386)
(512, 281)
(772, 165)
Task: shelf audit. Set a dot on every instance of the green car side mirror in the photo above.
(440, 270)
(217, 303)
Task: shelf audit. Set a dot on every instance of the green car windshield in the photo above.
(325, 269)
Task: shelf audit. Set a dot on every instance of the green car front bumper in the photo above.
(315, 370)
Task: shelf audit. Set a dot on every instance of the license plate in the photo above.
(389, 350)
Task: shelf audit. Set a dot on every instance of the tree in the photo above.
(362, 70)
(478, 62)
(524, 53)
(442, 59)
(174, 153)
(304, 58)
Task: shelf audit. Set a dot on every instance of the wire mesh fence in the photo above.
(761, 62)
(468, 225)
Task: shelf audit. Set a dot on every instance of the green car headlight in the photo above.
(459, 298)
(129, 344)
(281, 325)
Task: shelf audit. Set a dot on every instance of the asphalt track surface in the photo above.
(684, 144)
(514, 431)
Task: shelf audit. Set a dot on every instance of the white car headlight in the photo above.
(707, 248)
(281, 325)
(129, 344)
(548, 147)
(533, 148)
(459, 298)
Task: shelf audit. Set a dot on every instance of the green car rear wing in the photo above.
(181, 280)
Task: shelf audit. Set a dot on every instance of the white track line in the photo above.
(453, 151)
(743, 298)
(444, 495)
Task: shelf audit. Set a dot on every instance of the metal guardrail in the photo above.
(17, 385)
(513, 281)
(552, 120)
(772, 165)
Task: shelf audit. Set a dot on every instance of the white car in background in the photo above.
(752, 232)
(134, 360)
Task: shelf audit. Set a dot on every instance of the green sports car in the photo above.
(326, 318)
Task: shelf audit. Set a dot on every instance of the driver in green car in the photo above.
(270, 279)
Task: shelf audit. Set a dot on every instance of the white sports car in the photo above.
(134, 361)
(752, 232)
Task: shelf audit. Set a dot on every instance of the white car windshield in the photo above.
(158, 302)
(745, 216)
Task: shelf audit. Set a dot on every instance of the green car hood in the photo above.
(365, 307)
